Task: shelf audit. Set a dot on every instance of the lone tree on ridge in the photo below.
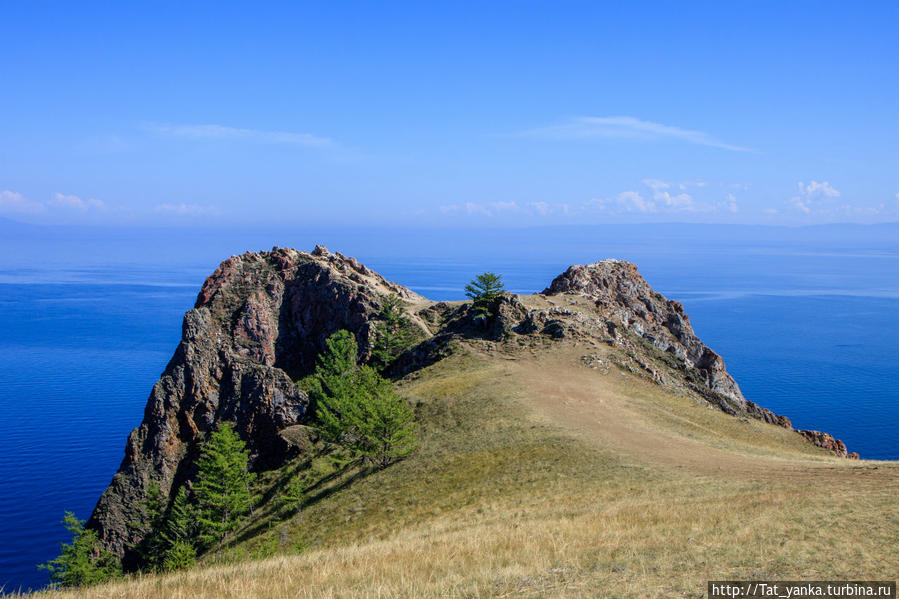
(483, 290)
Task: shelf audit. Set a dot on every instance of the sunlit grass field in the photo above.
(538, 477)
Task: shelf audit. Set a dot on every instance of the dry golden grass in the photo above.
(546, 479)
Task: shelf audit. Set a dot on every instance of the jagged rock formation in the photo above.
(826, 441)
(649, 320)
(632, 309)
(261, 319)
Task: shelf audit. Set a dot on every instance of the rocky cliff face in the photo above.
(629, 305)
(609, 302)
(261, 319)
(639, 319)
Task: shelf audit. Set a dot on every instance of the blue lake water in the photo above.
(87, 324)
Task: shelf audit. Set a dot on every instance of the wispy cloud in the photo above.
(11, 201)
(221, 132)
(627, 127)
(70, 201)
(730, 203)
(188, 209)
(504, 209)
(474, 209)
(626, 201)
(541, 208)
(655, 197)
(822, 201)
(662, 197)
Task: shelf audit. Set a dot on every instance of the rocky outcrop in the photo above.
(657, 335)
(826, 441)
(627, 301)
(620, 309)
(259, 321)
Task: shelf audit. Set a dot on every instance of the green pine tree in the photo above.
(83, 562)
(332, 383)
(179, 556)
(181, 522)
(338, 358)
(222, 486)
(153, 546)
(484, 290)
(294, 494)
(168, 530)
(179, 533)
(382, 427)
(393, 333)
(359, 409)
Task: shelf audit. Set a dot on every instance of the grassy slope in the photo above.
(539, 477)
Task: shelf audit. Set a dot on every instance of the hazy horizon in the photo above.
(449, 114)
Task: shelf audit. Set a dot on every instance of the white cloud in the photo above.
(626, 127)
(490, 209)
(815, 190)
(883, 209)
(730, 204)
(546, 209)
(626, 201)
(655, 184)
(10, 201)
(801, 205)
(819, 201)
(814, 197)
(877, 210)
(71, 201)
(221, 132)
(472, 208)
(501, 209)
(504, 206)
(187, 209)
(663, 197)
(633, 201)
(541, 208)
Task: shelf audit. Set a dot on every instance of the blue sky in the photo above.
(456, 114)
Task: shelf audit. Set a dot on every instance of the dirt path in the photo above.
(611, 411)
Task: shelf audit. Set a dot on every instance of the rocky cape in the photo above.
(261, 319)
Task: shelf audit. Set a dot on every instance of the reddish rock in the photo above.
(628, 302)
(826, 441)
(259, 319)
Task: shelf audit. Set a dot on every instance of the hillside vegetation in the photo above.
(543, 470)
